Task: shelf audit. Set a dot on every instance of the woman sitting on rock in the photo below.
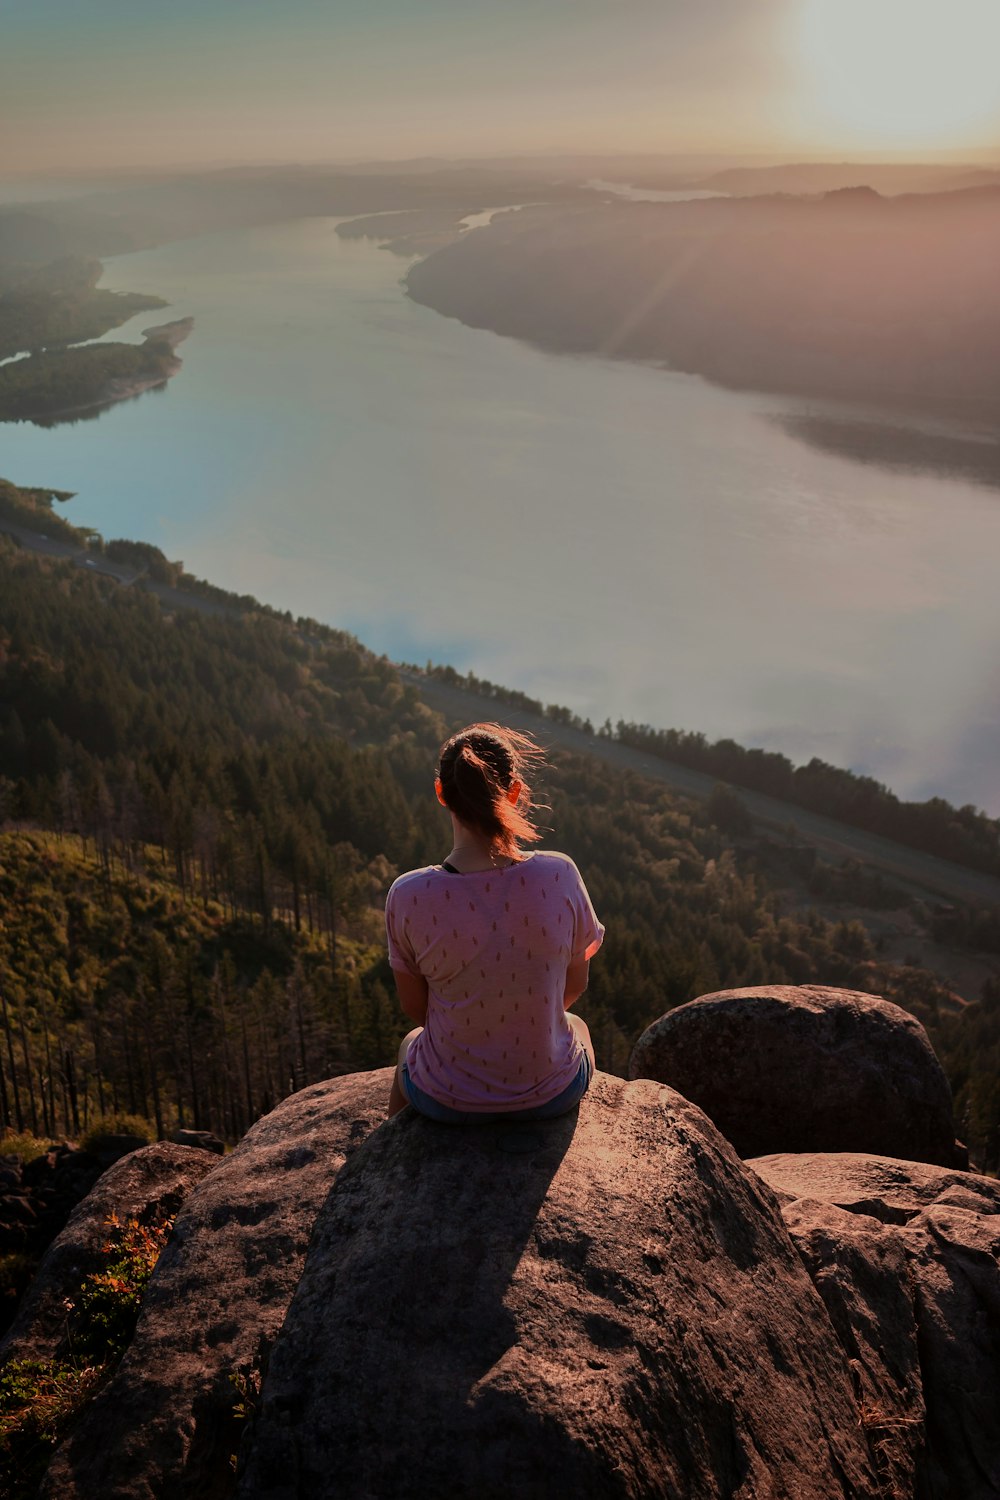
(490, 949)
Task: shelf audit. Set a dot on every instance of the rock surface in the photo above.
(605, 1305)
(907, 1260)
(204, 1140)
(806, 1069)
(608, 1305)
(165, 1425)
(150, 1185)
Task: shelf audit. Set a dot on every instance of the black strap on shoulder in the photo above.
(450, 868)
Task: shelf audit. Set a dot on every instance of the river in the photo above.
(627, 541)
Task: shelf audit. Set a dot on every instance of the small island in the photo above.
(50, 318)
(62, 385)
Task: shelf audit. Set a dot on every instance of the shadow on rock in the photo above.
(616, 1312)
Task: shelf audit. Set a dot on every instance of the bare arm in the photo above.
(412, 992)
(577, 976)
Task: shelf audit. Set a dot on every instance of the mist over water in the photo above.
(624, 540)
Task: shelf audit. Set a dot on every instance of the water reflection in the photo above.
(97, 410)
(906, 450)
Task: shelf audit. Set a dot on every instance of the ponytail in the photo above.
(477, 768)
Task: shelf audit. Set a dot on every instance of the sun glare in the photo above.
(903, 72)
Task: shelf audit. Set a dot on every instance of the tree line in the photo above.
(962, 834)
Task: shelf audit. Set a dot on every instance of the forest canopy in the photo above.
(59, 302)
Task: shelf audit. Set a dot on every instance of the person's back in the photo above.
(489, 949)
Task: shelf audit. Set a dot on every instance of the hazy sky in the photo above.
(109, 83)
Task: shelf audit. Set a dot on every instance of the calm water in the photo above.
(630, 542)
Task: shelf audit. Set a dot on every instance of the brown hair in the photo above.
(477, 768)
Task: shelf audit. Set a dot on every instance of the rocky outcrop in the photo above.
(611, 1304)
(166, 1425)
(150, 1185)
(608, 1303)
(806, 1069)
(907, 1260)
(604, 1305)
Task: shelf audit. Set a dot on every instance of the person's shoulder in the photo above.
(552, 862)
(414, 881)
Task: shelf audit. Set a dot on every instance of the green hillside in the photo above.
(201, 813)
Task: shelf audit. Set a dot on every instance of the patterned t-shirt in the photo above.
(494, 947)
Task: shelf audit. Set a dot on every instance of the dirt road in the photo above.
(96, 562)
(923, 874)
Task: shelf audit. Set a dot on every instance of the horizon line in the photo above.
(794, 157)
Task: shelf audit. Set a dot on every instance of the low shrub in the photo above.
(117, 1124)
(24, 1145)
(39, 1399)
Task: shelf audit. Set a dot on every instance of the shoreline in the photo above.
(173, 333)
(165, 333)
(975, 425)
(128, 389)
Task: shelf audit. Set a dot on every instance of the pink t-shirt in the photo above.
(494, 947)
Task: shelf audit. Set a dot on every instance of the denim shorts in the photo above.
(560, 1105)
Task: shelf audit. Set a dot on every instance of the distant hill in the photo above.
(821, 177)
(26, 236)
(887, 302)
(137, 215)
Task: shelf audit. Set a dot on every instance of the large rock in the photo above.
(606, 1305)
(150, 1185)
(803, 1068)
(166, 1424)
(907, 1260)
